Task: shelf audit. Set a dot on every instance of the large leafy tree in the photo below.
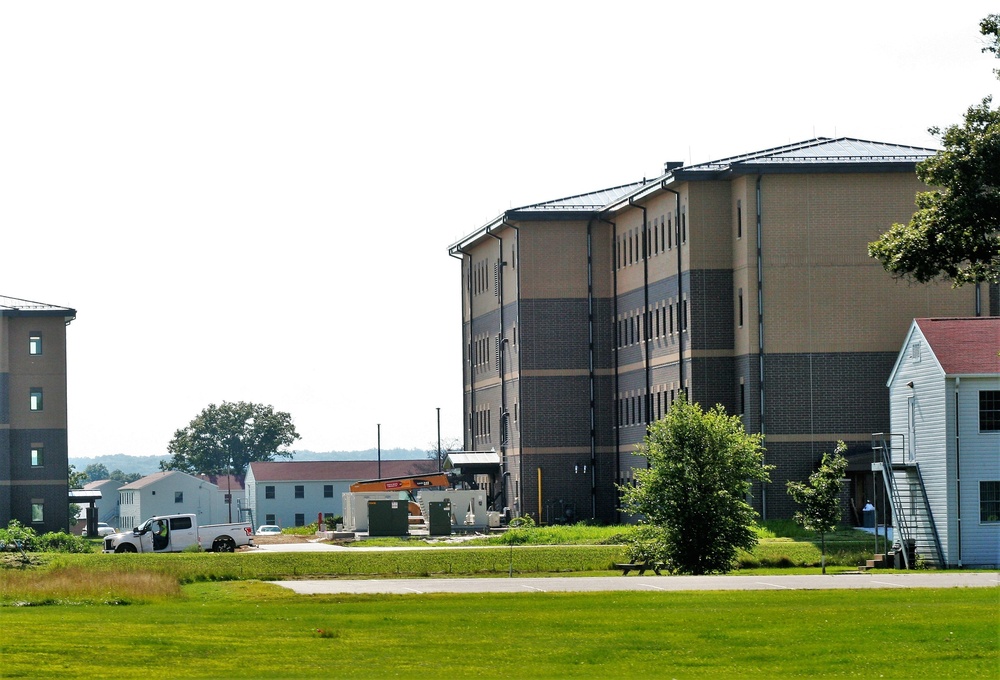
(819, 498)
(96, 472)
(955, 232)
(124, 477)
(701, 467)
(230, 437)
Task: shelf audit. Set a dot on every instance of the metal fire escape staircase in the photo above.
(912, 519)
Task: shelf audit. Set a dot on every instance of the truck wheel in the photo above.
(125, 548)
(224, 544)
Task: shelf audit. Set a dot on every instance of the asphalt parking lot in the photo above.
(944, 579)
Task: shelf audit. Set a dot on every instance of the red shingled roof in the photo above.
(964, 346)
(350, 470)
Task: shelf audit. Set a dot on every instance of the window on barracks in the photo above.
(35, 399)
(37, 510)
(35, 343)
(989, 502)
(989, 410)
(269, 493)
(328, 491)
(300, 491)
(37, 455)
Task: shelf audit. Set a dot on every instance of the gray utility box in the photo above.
(439, 520)
(388, 518)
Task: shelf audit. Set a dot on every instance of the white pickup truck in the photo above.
(174, 533)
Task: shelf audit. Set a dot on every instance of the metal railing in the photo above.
(906, 525)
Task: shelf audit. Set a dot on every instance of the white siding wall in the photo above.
(159, 498)
(285, 506)
(937, 450)
(928, 438)
(980, 461)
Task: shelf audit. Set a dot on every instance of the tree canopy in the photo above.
(955, 232)
(230, 437)
(701, 468)
(819, 498)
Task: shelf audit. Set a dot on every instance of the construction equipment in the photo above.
(409, 485)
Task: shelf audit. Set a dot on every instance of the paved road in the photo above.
(945, 579)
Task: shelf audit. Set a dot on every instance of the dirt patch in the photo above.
(281, 539)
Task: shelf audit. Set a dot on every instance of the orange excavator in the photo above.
(437, 480)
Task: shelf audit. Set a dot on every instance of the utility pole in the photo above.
(439, 438)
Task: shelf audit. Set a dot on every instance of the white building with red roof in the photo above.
(944, 446)
(295, 493)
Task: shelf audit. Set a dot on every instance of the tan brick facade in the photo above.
(610, 311)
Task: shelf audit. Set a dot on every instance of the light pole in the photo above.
(378, 428)
(439, 438)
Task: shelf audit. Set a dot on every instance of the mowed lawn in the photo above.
(251, 629)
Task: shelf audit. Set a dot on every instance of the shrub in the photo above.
(645, 544)
(18, 534)
(58, 541)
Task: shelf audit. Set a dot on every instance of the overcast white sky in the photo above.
(253, 201)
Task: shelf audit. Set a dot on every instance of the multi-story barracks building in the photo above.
(743, 282)
(34, 456)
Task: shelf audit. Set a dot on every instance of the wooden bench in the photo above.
(641, 567)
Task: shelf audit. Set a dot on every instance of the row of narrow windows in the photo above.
(479, 273)
(482, 422)
(662, 321)
(660, 236)
(632, 409)
(480, 277)
(484, 349)
(481, 352)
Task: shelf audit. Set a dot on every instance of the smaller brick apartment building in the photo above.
(743, 282)
(34, 486)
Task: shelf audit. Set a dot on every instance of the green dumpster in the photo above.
(388, 518)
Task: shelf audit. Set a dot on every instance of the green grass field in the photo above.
(252, 629)
(210, 615)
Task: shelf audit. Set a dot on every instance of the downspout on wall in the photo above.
(680, 278)
(760, 333)
(468, 370)
(614, 346)
(645, 316)
(517, 324)
(958, 473)
(499, 350)
(590, 369)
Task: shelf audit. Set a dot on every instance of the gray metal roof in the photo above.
(13, 306)
(569, 207)
(844, 154)
(822, 150)
(593, 200)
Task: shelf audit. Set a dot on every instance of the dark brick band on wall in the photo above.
(802, 394)
(567, 485)
(792, 461)
(549, 345)
(560, 413)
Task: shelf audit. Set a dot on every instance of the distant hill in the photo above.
(147, 465)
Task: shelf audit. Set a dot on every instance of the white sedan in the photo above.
(105, 529)
(266, 529)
